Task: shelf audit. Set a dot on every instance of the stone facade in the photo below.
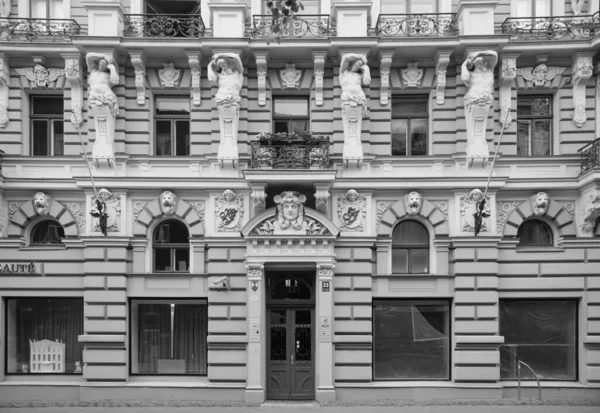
(248, 226)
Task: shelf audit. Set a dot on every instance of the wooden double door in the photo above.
(290, 353)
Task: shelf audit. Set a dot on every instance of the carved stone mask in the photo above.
(41, 202)
(290, 209)
(104, 195)
(540, 203)
(476, 195)
(168, 201)
(352, 195)
(229, 195)
(414, 201)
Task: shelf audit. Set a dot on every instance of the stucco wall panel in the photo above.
(593, 327)
(352, 373)
(101, 356)
(227, 297)
(116, 311)
(116, 282)
(95, 282)
(227, 356)
(477, 357)
(561, 268)
(353, 268)
(104, 296)
(593, 373)
(352, 326)
(476, 327)
(226, 326)
(362, 356)
(94, 311)
(464, 311)
(479, 373)
(226, 267)
(93, 372)
(107, 267)
(53, 283)
(485, 267)
(476, 297)
(541, 284)
(104, 326)
(228, 373)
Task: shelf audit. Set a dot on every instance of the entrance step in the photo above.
(299, 404)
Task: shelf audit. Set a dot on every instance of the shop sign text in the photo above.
(18, 268)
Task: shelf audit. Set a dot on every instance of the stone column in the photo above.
(255, 390)
(324, 335)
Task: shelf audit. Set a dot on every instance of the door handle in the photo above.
(292, 357)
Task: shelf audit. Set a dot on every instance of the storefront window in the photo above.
(542, 334)
(169, 337)
(411, 340)
(42, 335)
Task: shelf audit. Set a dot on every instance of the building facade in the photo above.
(311, 211)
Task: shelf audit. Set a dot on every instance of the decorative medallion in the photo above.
(469, 211)
(413, 202)
(41, 202)
(168, 202)
(539, 203)
(352, 210)
(112, 209)
(229, 211)
(290, 77)
(412, 75)
(39, 76)
(169, 76)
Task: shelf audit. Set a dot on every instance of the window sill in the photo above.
(44, 248)
(400, 384)
(533, 383)
(551, 250)
(15, 379)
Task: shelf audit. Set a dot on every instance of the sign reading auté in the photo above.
(13, 268)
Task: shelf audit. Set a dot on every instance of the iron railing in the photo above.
(298, 26)
(590, 156)
(552, 28)
(417, 25)
(282, 151)
(160, 25)
(16, 28)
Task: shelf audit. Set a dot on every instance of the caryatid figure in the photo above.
(354, 73)
(103, 102)
(226, 71)
(477, 73)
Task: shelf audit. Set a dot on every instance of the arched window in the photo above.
(171, 247)
(47, 232)
(410, 248)
(535, 233)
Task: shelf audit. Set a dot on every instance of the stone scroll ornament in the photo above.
(103, 103)
(229, 211)
(352, 210)
(226, 71)
(354, 73)
(478, 75)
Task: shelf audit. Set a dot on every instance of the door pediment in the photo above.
(270, 223)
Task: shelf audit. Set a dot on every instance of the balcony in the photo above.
(417, 25)
(552, 28)
(590, 156)
(16, 28)
(158, 25)
(290, 151)
(302, 26)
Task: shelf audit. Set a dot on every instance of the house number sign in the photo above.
(12, 268)
(325, 285)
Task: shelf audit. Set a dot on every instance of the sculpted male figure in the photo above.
(354, 73)
(103, 77)
(478, 75)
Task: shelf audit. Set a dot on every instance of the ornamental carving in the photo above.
(384, 73)
(271, 226)
(412, 75)
(138, 60)
(4, 88)
(382, 206)
(469, 205)
(169, 76)
(229, 211)
(582, 71)
(39, 76)
(290, 210)
(41, 203)
(168, 202)
(138, 207)
(199, 207)
(254, 271)
(261, 73)
(77, 209)
(539, 203)
(441, 67)
(503, 211)
(12, 208)
(195, 72)
(507, 79)
(325, 270)
(322, 196)
(541, 74)
(290, 76)
(413, 202)
(111, 205)
(319, 61)
(442, 205)
(352, 211)
(590, 212)
(75, 79)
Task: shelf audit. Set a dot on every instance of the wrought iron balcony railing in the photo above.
(16, 28)
(299, 26)
(417, 25)
(160, 25)
(283, 151)
(552, 28)
(590, 156)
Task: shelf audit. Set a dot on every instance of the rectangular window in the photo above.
(47, 9)
(169, 337)
(532, 8)
(310, 7)
(411, 340)
(42, 335)
(170, 7)
(410, 124)
(291, 114)
(47, 126)
(172, 122)
(409, 6)
(534, 125)
(542, 334)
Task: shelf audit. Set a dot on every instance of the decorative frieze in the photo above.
(229, 211)
(582, 71)
(74, 77)
(441, 67)
(40, 77)
(469, 209)
(138, 60)
(319, 71)
(111, 205)
(539, 203)
(540, 75)
(169, 76)
(290, 76)
(168, 202)
(508, 74)
(77, 209)
(352, 211)
(384, 73)
(261, 73)
(412, 75)
(4, 88)
(413, 202)
(503, 211)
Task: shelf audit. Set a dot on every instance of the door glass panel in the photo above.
(302, 336)
(278, 320)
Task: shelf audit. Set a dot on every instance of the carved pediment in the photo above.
(312, 224)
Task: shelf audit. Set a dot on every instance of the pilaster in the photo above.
(255, 391)
(324, 370)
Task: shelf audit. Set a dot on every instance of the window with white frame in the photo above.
(535, 233)
(532, 8)
(310, 7)
(534, 125)
(410, 248)
(172, 123)
(541, 334)
(291, 114)
(410, 125)
(169, 336)
(47, 9)
(409, 6)
(47, 125)
(171, 247)
(170, 7)
(47, 232)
